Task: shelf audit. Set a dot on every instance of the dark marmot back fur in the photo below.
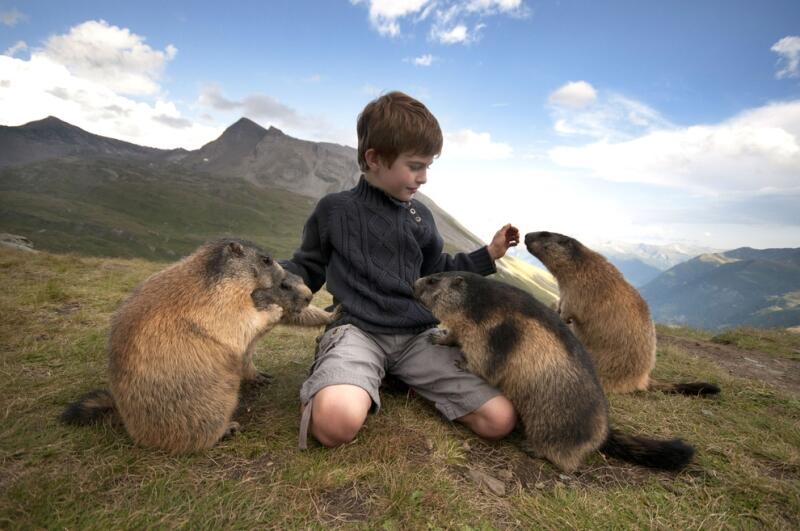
(182, 342)
(607, 315)
(522, 347)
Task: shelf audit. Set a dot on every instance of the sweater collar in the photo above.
(375, 196)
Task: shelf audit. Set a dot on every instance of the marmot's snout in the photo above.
(533, 237)
(295, 293)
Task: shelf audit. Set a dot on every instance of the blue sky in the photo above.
(635, 121)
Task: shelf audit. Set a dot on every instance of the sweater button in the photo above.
(413, 211)
(418, 219)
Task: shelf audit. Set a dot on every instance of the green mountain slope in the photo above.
(110, 208)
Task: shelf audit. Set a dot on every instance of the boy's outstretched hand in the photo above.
(507, 236)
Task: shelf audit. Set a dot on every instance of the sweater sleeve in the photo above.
(311, 259)
(436, 261)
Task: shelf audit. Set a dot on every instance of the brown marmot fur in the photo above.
(522, 347)
(182, 342)
(607, 315)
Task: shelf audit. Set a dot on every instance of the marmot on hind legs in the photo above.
(182, 342)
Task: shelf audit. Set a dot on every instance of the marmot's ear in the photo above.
(235, 248)
(457, 281)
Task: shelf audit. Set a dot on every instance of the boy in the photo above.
(370, 244)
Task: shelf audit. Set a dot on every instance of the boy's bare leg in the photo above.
(493, 420)
(339, 411)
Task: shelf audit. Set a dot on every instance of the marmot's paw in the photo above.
(435, 337)
(233, 427)
(337, 313)
(261, 378)
(443, 338)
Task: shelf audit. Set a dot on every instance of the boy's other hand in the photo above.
(507, 236)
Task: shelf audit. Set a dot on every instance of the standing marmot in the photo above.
(182, 342)
(607, 314)
(519, 345)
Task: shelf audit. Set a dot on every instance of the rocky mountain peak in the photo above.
(243, 130)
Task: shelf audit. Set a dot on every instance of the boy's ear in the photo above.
(372, 158)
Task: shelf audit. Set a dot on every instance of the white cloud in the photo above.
(12, 18)
(85, 76)
(40, 87)
(264, 107)
(456, 34)
(19, 46)
(579, 111)
(757, 151)
(384, 14)
(109, 55)
(789, 50)
(468, 144)
(574, 94)
(254, 106)
(424, 60)
(452, 19)
(504, 6)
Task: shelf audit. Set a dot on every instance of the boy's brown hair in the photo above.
(396, 123)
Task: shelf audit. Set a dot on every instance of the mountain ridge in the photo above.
(744, 286)
(78, 195)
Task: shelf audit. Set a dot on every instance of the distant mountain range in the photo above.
(69, 190)
(740, 287)
(639, 262)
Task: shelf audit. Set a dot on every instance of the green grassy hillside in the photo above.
(132, 210)
(408, 469)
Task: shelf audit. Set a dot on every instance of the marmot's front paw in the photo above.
(443, 338)
(231, 430)
(261, 378)
(263, 299)
(436, 336)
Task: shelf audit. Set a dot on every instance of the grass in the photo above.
(407, 469)
(777, 342)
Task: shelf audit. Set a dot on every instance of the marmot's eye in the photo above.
(433, 281)
(266, 260)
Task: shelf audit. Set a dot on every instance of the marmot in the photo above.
(182, 342)
(607, 315)
(522, 347)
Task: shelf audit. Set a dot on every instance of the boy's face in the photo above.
(403, 178)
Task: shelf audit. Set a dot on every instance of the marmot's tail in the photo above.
(673, 454)
(693, 388)
(90, 408)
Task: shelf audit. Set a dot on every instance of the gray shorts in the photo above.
(348, 355)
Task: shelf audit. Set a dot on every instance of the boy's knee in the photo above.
(339, 413)
(493, 420)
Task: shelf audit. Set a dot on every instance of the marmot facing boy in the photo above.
(520, 346)
(182, 342)
(607, 314)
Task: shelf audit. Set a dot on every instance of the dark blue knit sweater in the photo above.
(370, 248)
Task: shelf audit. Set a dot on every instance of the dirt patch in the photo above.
(779, 372)
(67, 308)
(780, 471)
(345, 504)
(518, 470)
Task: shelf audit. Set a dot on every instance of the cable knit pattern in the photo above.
(371, 248)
